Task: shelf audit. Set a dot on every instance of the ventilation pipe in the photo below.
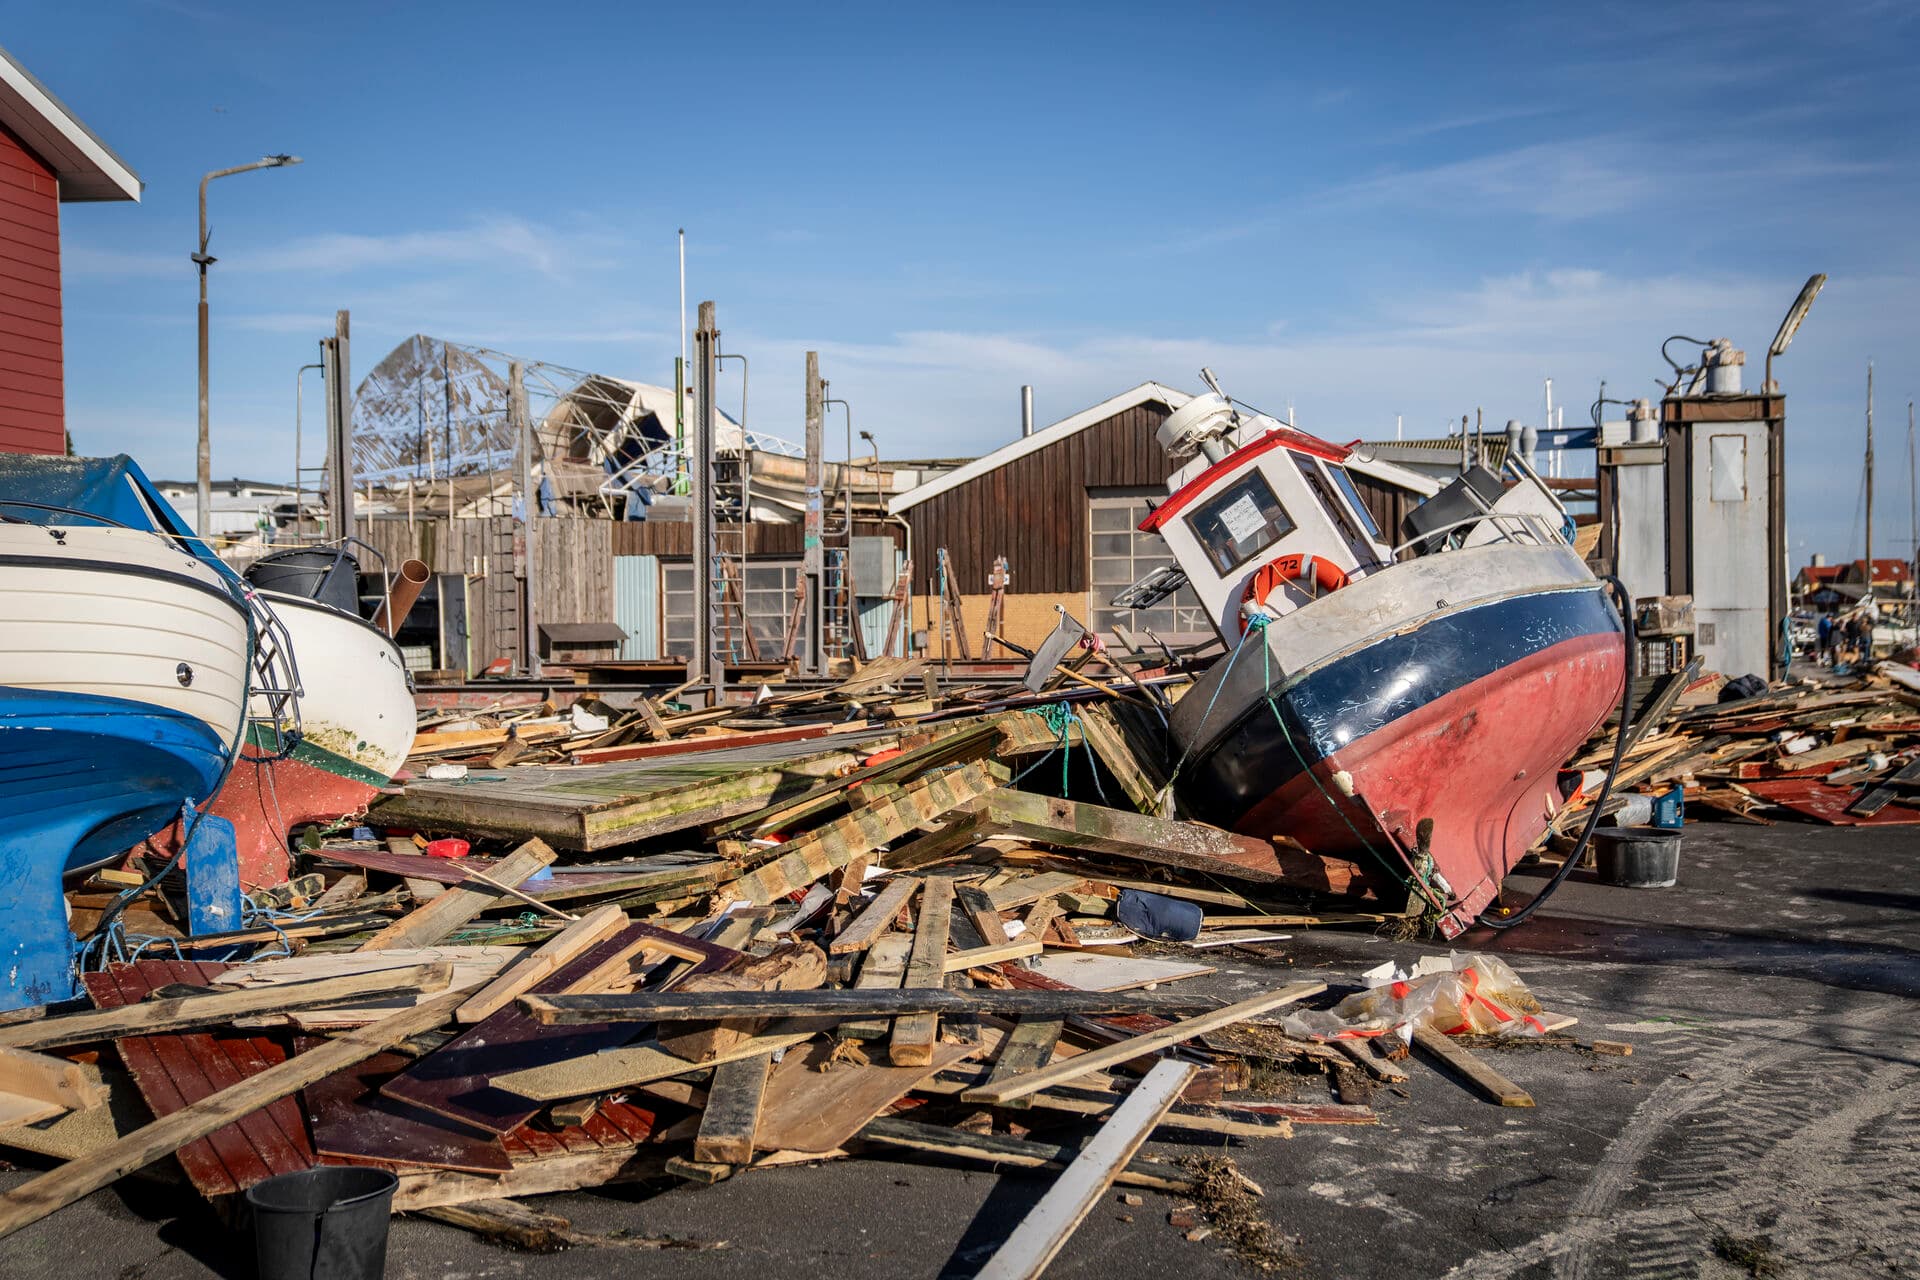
(1723, 363)
(1641, 428)
(1026, 411)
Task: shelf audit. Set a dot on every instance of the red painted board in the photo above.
(455, 1080)
(1815, 799)
(173, 1071)
(352, 1121)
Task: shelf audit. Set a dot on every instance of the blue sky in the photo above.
(1363, 212)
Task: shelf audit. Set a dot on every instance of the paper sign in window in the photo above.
(1242, 518)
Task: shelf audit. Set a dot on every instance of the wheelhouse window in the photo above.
(1240, 522)
(1315, 473)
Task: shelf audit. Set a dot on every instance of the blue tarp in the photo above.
(114, 489)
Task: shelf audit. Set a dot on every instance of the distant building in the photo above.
(47, 158)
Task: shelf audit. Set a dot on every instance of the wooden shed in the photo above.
(47, 157)
(1063, 505)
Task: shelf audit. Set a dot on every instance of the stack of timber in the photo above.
(1836, 750)
(866, 941)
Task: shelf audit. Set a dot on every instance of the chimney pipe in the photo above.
(1026, 411)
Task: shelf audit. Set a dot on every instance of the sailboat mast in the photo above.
(1868, 597)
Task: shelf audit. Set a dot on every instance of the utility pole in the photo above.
(522, 423)
(814, 529)
(1868, 597)
(201, 258)
(337, 372)
(708, 662)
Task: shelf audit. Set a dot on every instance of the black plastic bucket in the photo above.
(1638, 857)
(328, 1223)
(326, 574)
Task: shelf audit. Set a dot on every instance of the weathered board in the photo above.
(590, 807)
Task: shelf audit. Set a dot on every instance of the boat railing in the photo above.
(274, 692)
(1520, 527)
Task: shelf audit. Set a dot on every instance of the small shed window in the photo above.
(1120, 555)
(769, 599)
(1240, 522)
(1727, 468)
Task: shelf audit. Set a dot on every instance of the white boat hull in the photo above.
(119, 613)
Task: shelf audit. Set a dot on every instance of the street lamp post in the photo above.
(203, 521)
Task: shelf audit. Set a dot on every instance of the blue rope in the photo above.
(1060, 718)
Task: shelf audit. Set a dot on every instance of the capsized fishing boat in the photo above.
(356, 707)
(126, 655)
(1406, 707)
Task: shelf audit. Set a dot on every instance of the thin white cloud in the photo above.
(491, 242)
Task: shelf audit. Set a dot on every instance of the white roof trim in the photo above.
(86, 167)
(1392, 473)
(1040, 439)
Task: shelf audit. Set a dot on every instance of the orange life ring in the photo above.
(1270, 577)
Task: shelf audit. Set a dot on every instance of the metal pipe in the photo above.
(203, 521)
(1026, 411)
(846, 508)
(299, 494)
(405, 589)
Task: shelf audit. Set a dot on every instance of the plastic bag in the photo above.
(1454, 995)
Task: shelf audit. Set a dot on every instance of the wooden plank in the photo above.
(997, 1149)
(455, 1080)
(656, 1006)
(1126, 1050)
(882, 970)
(877, 917)
(427, 925)
(974, 957)
(1030, 889)
(1029, 1048)
(794, 967)
(51, 1191)
(732, 1111)
(35, 1086)
(1189, 845)
(1471, 1068)
(981, 912)
(824, 849)
(150, 1016)
(635, 1066)
(1044, 1230)
(1361, 1051)
(556, 951)
(816, 1105)
(1092, 971)
(1144, 786)
(913, 1035)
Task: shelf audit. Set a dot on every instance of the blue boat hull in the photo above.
(82, 777)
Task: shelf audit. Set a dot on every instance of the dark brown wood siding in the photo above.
(1033, 510)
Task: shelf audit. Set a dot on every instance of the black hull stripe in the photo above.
(120, 570)
(1353, 697)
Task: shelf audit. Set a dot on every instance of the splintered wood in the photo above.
(690, 942)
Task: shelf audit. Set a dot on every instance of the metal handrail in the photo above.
(1529, 524)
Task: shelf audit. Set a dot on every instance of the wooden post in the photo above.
(813, 530)
(522, 420)
(707, 663)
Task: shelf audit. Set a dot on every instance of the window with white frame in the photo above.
(769, 601)
(1119, 555)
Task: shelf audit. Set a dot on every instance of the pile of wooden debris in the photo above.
(1843, 751)
(814, 940)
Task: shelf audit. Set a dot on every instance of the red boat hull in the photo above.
(1465, 720)
(265, 800)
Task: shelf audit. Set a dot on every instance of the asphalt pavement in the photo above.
(1767, 1123)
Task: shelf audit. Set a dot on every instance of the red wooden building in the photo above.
(47, 157)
